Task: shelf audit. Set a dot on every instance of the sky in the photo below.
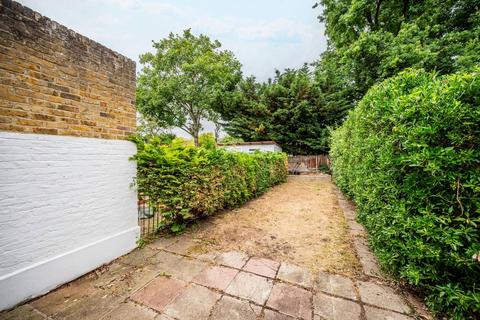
(264, 35)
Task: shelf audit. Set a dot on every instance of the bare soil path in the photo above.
(299, 222)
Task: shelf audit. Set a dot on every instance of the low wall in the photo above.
(66, 108)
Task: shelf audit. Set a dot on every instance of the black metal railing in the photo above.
(149, 217)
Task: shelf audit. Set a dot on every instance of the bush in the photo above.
(409, 155)
(190, 182)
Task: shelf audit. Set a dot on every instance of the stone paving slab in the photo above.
(261, 266)
(251, 287)
(216, 277)
(138, 257)
(294, 274)
(372, 313)
(273, 315)
(24, 312)
(336, 285)
(131, 311)
(234, 259)
(160, 292)
(90, 308)
(382, 296)
(164, 262)
(163, 242)
(291, 300)
(194, 303)
(124, 284)
(235, 309)
(332, 308)
(187, 269)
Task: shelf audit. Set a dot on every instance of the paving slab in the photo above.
(368, 261)
(163, 243)
(124, 283)
(187, 269)
(164, 262)
(294, 274)
(252, 287)
(90, 308)
(205, 256)
(336, 285)
(65, 296)
(160, 292)
(273, 315)
(382, 296)
(234, 309)
(194, 303)
(291, 300)
(163, 317)
(138, 257)
(332, 308)
(372, 313)
(262, 266)
(131, 311)
(216, 277)
(24, 312)
(184, 246)
(234, 259)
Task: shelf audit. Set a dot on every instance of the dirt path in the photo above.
(299, 221)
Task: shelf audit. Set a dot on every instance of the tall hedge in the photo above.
(409, 155)
(188, 182)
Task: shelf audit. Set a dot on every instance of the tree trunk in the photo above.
(195, 139)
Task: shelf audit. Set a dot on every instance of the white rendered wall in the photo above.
(66, 207)
(252, 147)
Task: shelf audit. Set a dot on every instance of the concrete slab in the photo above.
(235, 309)
(291, 300)
(187, 269)
(262, 266)
(90, 308)
(382, 296)
(294, 274)
(194, 303)
(336, 285)
(216, 277)
(273, 315)
(234, 259)
(251, 287)
(163, 243)
(332, 308)
(131, 311)
(24, 312)
(159, 292)
(372, 313)
(164, 262)
(138, 257)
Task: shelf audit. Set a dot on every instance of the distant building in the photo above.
(271, 146)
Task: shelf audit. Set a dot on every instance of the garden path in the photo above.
(294, 253)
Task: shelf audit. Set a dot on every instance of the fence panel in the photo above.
(307, 164)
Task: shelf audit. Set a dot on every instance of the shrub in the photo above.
(409, 155)
(189, 182)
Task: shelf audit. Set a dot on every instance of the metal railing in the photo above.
(149, 217)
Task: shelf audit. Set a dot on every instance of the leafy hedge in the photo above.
(409, 155)
(189, 182)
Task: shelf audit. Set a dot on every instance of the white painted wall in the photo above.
(253, 147)
(66, 207)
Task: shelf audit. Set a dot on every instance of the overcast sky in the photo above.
(263, 34)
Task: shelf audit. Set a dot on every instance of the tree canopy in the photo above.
(182, 80)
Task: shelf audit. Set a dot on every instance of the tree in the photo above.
(183, 79)
(370, 41)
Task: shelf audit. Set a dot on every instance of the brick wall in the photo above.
(56, 81)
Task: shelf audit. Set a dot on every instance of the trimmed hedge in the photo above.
(189, 182)
(409, 155)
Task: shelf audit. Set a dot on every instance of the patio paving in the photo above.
(168, 280)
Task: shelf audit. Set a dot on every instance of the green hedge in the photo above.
(190, 182)
(409, 155)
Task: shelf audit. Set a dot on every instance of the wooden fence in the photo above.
(306, 164)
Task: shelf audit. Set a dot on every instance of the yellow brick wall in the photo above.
(56, 81)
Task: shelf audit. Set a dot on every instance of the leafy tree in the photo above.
(182, 80)
(370, 41)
